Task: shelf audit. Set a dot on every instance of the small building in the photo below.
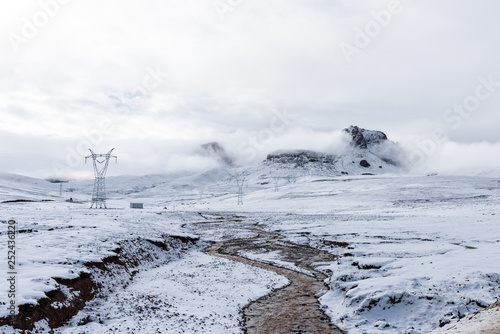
(136, 205)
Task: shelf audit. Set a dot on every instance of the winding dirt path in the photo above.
(294, 308)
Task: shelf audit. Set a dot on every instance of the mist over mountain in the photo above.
(217, 152)
(365, 152)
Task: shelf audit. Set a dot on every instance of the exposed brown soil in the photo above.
(294, 308)
(57, 307)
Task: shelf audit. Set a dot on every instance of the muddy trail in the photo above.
(294, 308)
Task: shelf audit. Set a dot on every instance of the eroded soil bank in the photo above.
(294, 308)
(104, 276)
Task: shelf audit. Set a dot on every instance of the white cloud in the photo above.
(475, 159)
(225, 76)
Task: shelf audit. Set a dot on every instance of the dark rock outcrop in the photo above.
(362, 138)
(364, 163)
(300, 157)
(218, 152)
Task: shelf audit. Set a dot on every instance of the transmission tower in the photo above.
(276, 183)
(101, 162)
(290, 178)
(60, 184)
(240, 182)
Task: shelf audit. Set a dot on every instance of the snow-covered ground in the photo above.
(198, 293)
(415, 251)
(482, 322)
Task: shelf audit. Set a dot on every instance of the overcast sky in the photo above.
(155, 79)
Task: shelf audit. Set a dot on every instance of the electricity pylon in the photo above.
(240, 181)
(100, 168)
(290, 178)
(60, 184)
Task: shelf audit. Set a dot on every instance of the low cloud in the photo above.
(171, 75)
(184, 163)
(466, 159)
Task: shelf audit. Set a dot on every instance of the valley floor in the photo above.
(408, 254)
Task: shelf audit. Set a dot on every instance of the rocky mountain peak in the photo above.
(362, 138)
(215, 150)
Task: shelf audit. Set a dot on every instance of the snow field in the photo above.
(198, 293)
(416, 251)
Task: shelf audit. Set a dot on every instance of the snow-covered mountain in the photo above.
(367, 152)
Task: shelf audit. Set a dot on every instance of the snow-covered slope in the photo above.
(416, 251)
(486, 321)
(17, 187)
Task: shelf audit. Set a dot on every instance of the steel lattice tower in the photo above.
(239, 182)
(290, 178)
(101, 162)
(240, 179)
